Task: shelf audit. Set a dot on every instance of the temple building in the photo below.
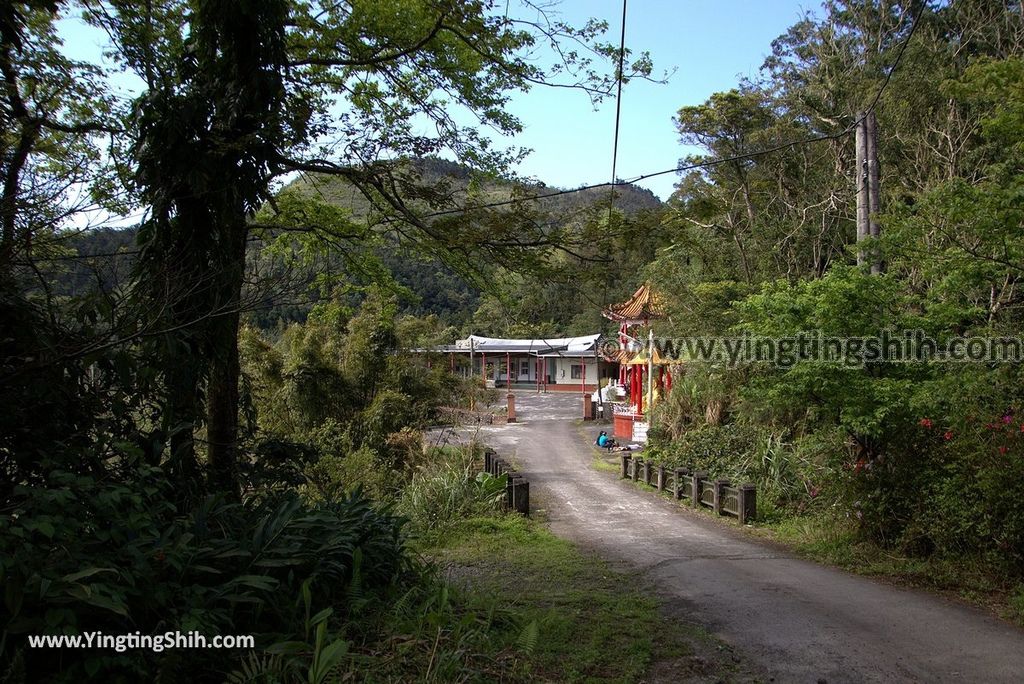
(642, 373)
(557, 364)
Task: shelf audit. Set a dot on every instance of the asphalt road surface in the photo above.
(793, 620)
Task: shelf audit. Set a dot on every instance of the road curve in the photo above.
(795, 620)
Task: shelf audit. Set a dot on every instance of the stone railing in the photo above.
(694, 486)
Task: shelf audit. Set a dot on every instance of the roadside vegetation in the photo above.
(583, 620)
(913, 470)
(212, 419)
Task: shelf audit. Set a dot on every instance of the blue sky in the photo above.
(710, 43)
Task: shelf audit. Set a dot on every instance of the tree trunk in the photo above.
(222, 391)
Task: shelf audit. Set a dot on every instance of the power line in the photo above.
(710, 162)
(618, 97)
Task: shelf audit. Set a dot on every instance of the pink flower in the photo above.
(814, 491)
(1008, 418)
(948, 436)
(926, 422)
(1002, 450)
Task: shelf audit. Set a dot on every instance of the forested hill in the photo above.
(432, 171)
(438, 290)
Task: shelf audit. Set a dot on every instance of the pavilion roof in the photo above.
(643, 306)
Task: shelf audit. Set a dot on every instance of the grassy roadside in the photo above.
(570, 617)
(834, 542)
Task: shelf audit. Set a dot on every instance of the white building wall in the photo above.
(563, 372)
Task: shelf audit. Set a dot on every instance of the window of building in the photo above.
(577, 371)
(525, 368)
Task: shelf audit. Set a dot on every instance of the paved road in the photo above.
(795, 620)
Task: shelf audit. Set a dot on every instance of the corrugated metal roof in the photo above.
(550, 346)
(585, 345)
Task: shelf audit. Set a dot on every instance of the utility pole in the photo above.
(868, 204)
(874, 206)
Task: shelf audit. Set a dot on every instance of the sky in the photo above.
(707, 45)
(711, 45)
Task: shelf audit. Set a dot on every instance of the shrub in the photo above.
(119, 557)
(788, 476)
(450, 489)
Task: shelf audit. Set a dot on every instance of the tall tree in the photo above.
(253, 91)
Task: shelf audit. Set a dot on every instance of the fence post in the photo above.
(661, 478)
(489, 461)
(719, 484)
(510, 487)
(637, 464)
(698, 482)
(747, 503)
(647, 473)
(624, 459)
(521, 496)
(677, 483)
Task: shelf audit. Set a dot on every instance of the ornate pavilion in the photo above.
(642, 374)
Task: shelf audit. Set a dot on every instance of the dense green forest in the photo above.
(923, 459)
(212, 421)
(423, 285)
(180, 453)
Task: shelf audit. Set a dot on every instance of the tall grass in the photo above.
(448, 488)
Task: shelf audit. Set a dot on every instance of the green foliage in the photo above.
(117, 557)
(450, 488)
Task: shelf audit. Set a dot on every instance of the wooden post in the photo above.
(511, 399)
(719, 486)
(661, 478)
(647, 473)
(697, 480)
(489, 461)
(521, 496)
(747, 503)
(624, 459)
(637, 464)
(509, 486)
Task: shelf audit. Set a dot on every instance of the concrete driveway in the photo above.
(795, 620)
